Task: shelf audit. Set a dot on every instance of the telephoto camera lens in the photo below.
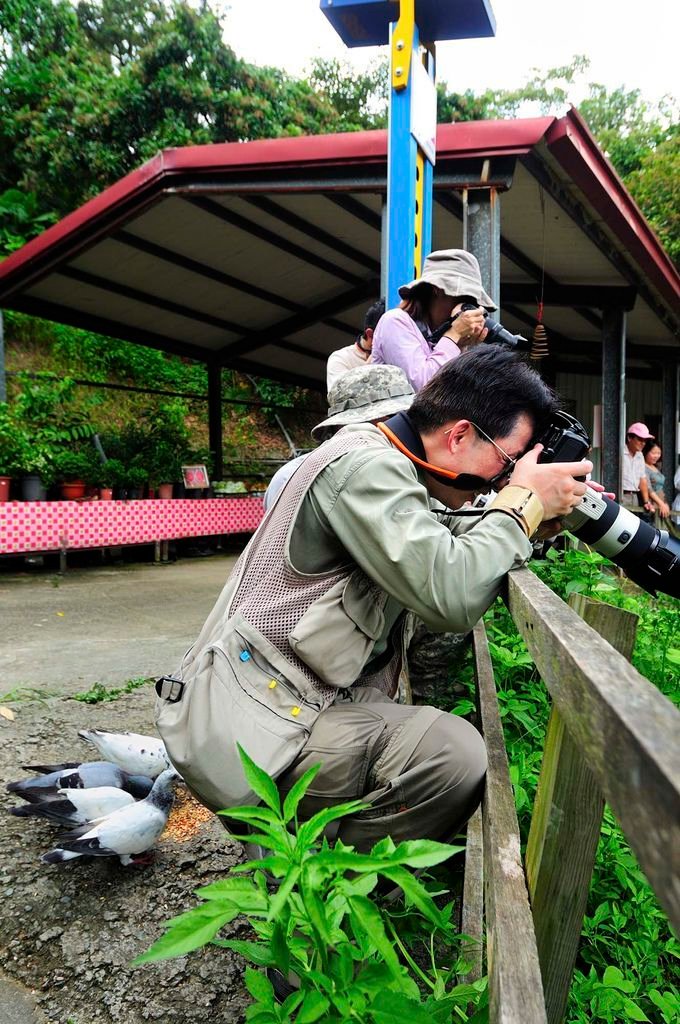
(649, 557)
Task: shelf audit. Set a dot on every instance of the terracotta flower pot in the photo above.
(164, 490)
(71, 489)
(4, 488)
(106, 493)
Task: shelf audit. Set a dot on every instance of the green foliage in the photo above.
(359, 97)
(321, 923)
(76, 465)
(655, 185)
(111, 473)
(14, 443)
(627, 951)
(640, 138)
(90, 93)
(100, 694)
(20, 219)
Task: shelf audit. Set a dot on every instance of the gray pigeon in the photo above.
(126, 833)
(89, 775)
(136, 754)
(76, 806)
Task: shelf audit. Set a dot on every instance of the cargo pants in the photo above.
(420, 769)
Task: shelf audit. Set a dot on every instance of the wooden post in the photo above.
(565, 828)
(613, 396)
(215, 417)
(515, 989)
(472, 916)
(669, 425)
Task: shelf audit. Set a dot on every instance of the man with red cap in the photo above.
(634, 478)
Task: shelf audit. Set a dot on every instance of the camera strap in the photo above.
(400, 431)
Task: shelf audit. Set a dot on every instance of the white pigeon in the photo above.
(76, 806)
(126, 833)
(136, 754)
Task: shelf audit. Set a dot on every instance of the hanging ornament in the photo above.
(539, 339)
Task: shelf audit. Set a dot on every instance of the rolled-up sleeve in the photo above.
(379, 511)
(398, 341)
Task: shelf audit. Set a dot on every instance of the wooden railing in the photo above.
(612, 737)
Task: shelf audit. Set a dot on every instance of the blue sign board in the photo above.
(366, 22)
(411, 149)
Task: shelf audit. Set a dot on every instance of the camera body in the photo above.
(497, 334)
(650, 557)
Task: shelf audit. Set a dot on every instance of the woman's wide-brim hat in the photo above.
(366, 393)
(456, 272)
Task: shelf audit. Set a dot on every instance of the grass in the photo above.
(100, 694)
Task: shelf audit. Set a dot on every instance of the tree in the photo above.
(358, 97)
(87, 95)
(640, 138)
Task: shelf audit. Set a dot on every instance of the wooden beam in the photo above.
(313, 231)
(515, 987)
(161, 252)
(571, 295)
(565, 828)
(215, 209)
(271, 335)
(625, 729)
(472, 914)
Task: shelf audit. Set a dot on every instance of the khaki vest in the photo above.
(274, 652)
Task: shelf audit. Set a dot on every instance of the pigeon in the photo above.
(76, 806)
(138, 755)
(83, 776)
(126, 833)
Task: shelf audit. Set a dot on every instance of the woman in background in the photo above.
(403, 336)
(656, 479)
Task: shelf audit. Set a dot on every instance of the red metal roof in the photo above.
(568, 139)
(467, 139)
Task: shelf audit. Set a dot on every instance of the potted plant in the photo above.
(165, 467)
(109, 475)
(38, 472)
(75, 469)
(135, 477)
(13, 449)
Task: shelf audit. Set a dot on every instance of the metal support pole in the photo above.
(384, 235)
(669, 425)
(613, 396)
(402, 153)
(3, 378)
(482, 235)
(215, 416)
(429, 61)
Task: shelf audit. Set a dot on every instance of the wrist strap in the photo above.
(521, 504)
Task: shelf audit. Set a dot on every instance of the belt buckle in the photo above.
(170, 689)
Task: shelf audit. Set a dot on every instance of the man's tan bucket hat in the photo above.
(456, 272)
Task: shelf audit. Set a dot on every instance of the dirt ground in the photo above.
(68, 932)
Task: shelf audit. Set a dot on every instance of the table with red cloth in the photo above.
(30, 526)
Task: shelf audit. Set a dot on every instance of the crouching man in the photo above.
(299, 660)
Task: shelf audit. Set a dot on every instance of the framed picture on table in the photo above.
(195, 477)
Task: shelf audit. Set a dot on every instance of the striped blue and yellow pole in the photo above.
(409, 169)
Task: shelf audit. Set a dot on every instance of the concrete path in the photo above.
(64, 633)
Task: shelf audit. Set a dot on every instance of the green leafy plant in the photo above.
(100, 694)
(110, 473)
(76, 465)
(14, 444)
(320, 922)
